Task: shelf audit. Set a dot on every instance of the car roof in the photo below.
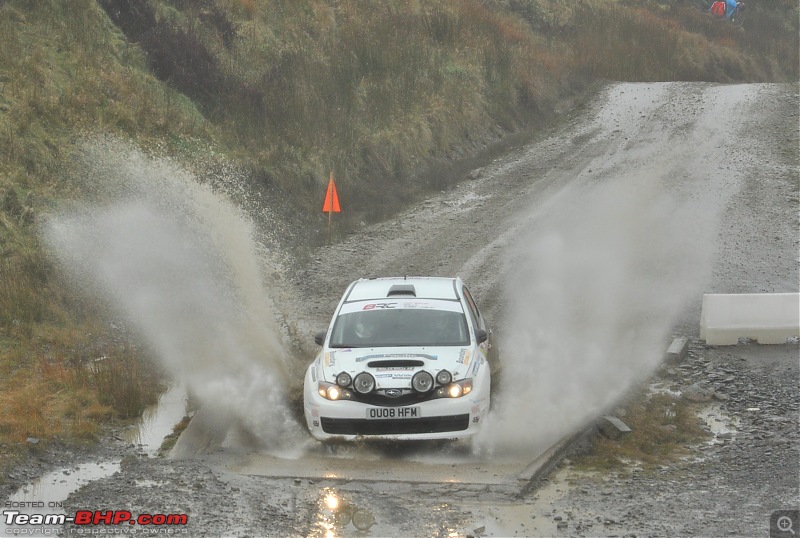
(404, 287)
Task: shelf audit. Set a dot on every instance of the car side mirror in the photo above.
(481, 336)
(319, 338)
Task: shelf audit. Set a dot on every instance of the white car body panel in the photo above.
(410, 414)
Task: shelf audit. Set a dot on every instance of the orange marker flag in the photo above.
(331, 204)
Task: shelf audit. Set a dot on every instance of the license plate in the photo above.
(389, 413)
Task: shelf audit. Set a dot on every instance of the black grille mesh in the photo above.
(355, 426)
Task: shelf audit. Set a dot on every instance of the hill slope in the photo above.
(275, 94)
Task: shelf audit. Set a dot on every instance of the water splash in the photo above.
(597, 280)
(179, 263)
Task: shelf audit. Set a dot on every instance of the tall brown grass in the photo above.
(662, 430)
(65, 381)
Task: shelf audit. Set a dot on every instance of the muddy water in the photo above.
(47, 494)
(178, 263)
(650, 143)
(158, 420)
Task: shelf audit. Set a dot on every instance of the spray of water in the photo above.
(597, 280)
(179, 263)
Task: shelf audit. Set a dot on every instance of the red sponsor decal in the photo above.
(373, 306)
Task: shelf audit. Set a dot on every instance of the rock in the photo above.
(32, 440)
(562, 525)
(612, 427)
(676, 351)
(696, 393)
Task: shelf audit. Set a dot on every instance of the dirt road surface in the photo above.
(588, 248)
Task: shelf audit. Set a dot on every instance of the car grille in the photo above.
(356, 426)
(378, 398)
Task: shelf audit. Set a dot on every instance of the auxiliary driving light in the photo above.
(364, 383)
(444, 377)
(422, 381)
(343, 379)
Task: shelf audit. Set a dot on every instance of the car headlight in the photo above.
(457, 389)
(364, 383)
(329, 391)
(343, 379)
(444, 377)
(422, 381)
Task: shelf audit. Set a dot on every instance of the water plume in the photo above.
(595, 283)
(178, 262)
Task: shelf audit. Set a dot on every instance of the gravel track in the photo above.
(728, 153)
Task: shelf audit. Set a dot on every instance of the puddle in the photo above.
(536, 515)
(722, 425)
(337, 516)
(158, 420)
(661, 388)
(564, 505)
(47, 494)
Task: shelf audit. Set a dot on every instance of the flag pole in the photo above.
(330, 218)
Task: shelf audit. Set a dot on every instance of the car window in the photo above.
(473, 308)
(400, 327)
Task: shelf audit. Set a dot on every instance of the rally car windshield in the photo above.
(400, 327)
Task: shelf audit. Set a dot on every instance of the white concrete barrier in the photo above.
(768, 318)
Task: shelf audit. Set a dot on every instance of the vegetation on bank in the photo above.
(288, 90)
(663, 428)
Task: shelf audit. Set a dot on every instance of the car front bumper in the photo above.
(443, 418)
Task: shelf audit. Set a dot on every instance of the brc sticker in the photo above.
(435, 304)
(373, 306)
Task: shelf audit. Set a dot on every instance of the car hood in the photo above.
(394, 367)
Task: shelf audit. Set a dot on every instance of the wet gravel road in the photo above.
(729, 153)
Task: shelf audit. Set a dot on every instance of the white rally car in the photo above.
(403, 358)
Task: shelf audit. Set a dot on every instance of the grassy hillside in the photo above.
(286, 90)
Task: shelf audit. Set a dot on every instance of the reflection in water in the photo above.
(336, 513)
(47, 494)
(158, 420)
(430, 452)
